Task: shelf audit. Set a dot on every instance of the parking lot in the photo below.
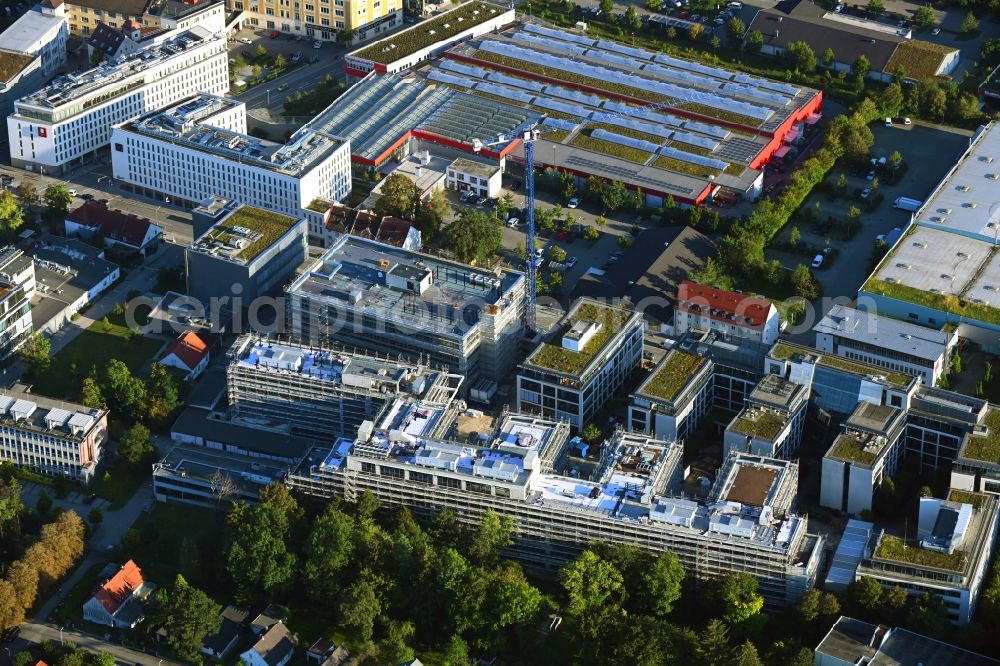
(928, 150)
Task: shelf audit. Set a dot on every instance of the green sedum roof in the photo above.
(762, 423)
(848, 448)
(986, 447)
(673, 374)
(553, 356)
(270, 225)
(893, 548)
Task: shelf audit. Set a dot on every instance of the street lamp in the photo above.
(61, 642)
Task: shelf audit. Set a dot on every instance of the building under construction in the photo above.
(324, 394)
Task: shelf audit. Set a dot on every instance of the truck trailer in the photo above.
(905, 203)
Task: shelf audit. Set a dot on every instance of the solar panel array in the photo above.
(466, 117)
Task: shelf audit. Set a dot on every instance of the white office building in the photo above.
(198, 148)
(73, 116)
(51, 436)
(885, 342)
(41, 32)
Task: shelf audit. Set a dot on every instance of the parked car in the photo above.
(571, 262)
(513, 222)
(274, 34)
(936, 31)
(296, 57)
(573, 203)
(244, 40)
(283, 87)
(907, 121)
(11, 634)
(888, 122)
(817, 261)
(72, 191)
(719, 21)
(865, 193)
(562, 234)
(317, 44)
(481, 200)
(871, 176)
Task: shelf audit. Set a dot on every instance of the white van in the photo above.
(735, 5)
(888, 122)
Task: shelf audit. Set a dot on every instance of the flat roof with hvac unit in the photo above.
(244, 234)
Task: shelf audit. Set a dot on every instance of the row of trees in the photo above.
(392, 584)
(58, 548)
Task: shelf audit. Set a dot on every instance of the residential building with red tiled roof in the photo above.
(118, 602)
(328, 221)
(93, 221)
(189, 353)
(731, 313)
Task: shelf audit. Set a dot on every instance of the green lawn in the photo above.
(118, 481)
(93, 347)
(70, 611)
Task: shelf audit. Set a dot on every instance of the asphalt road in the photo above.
(36, 633)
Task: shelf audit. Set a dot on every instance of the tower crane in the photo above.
(529, 136)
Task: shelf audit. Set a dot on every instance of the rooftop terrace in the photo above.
(359, 274)
(556, 357)
(114, 77)
(244, 234)
(428, 32)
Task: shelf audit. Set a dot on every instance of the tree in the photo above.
(956, 363)
(95, 517)
(456, 650)
(607, 6)
(127, 392)
(557, 254)
(163, 393)
(359, 608)
(795, 236)
(591, 234)
(746, 655)
(432, 214)
(35, 354)
(875, 7)
(394, 648)
(891, 99)
(865, 597)
(400, 197)
(808, 606)
(346, 35)
(280, 62)
(260, 51)
(259, 559)
(27, 193)
(593, 585)
(136, 445)
(328, 550)
(801, 57)
(895, 160)
(57, 199)
(860, 69)
(695, 31)
(504, 205)
(829, 57)
(494, 533)
(970, 24)
(988, 372)
(24, 577)
(660, 586)
(755, 41)
(222, 485)
(713, 644)
(737, 29)
(803, 282)
(188, 615)
(90, 394)
(494, 599)
(654, 5)
(923, 18)
(11, 215)
(11, 506)
(475, 236)
(614, 195)
(715, 42)
(591, 432)
(740, 598)
(632, 20)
